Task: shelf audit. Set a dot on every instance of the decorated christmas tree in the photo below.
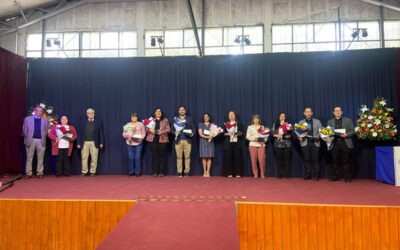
(376, 124)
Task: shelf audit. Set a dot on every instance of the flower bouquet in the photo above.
(285, 128)
(150, 122)
(327, 135)
(179, 125)
(231, 127)
(301, 130)
(376, 124)
(62, 132)
(129, 130)
(263, 133)
(214, 131)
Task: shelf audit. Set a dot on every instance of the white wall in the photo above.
(170, 14)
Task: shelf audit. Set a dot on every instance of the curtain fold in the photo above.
(12, 105)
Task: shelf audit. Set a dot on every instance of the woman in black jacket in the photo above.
(232, 146)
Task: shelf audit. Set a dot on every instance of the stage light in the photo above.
(247, 41)
(355, 34)
(364, 32)
(48, 43)
(153, 42)
(57, 42)
(237, 40)
(160, 40)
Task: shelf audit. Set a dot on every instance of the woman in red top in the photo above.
(158, 140)
(62, 139)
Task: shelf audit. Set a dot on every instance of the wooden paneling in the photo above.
(307, 226)
(58, 224)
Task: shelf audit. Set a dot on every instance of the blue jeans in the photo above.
(134, 155)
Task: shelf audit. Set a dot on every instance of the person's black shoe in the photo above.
(131, 174)
(138, 175)
(333, 179)
(178, 174)
(93, 175)
(160, 175)
(154, 175)
(67, 175)
(307, 177)
(316, 178)
(58, 176)
(187, 175)
(83, 175)
(348, 180)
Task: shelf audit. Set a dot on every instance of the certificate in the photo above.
(187, 131)
(206, 132)
(136, 137)
(340, 131)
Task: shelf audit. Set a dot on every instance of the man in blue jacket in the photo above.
(184, 130)
(90, 139)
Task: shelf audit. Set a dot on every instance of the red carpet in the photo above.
(195, 212)
(176, 225)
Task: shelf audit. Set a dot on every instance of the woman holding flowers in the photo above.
(232, 145)
(282, 133)
(257, 136)
(134, 133)
(207, 132)
(157, 135)
(62, 139)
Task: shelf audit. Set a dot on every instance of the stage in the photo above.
(195, 212)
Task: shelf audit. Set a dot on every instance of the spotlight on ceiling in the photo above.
(355, 33)
(237, 40)
(364, 32)
(247, 41)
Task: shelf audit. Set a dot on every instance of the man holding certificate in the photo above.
(342, 144)
(184, 129)
(310, 144)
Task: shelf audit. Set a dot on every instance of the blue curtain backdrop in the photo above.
(265, 84)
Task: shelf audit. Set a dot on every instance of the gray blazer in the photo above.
(29, 127)
(316, 126)
(349, 126)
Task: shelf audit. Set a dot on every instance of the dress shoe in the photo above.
(93, 175)
(316, 179)
(178, 175)
(348, 180)
(154, 175)
(160, 175)
(40, 176)
(28, 176)
(83, 175)
(307, 177)
(187, 175)
(334, 179)
(138, 175)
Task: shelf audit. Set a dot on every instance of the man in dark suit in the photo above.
(35, 131)
(310, 145)
(183, 142)
(90, 139)
(342, 144)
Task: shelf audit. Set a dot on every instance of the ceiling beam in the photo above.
(381, 4)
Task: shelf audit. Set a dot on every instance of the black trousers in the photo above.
(340, 155)
(158, 156)
(311, 157)
(62, 162)
(233, 159)
(283, 157)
